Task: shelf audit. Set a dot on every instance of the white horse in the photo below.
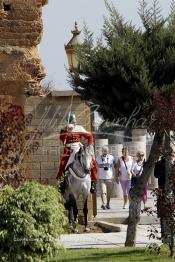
(78, 182)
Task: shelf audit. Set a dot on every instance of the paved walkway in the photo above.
(116, 215)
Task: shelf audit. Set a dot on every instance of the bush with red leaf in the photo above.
(15, 143)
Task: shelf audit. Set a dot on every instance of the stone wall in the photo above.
(49, 116)
(20, 33)
(20, 22)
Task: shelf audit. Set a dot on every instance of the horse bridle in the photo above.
(71, 166)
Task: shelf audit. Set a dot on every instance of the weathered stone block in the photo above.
(37, 158)
(34, 174)
(47, 165)
(56, 164)
(34, 166)
(53, 151)
(34, 101)
(50, 142)
(52, 182)
(20, 33)
(48, 173)
(41, 151)
(29, 109)
(52, 158)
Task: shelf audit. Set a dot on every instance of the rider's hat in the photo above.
(71, 117)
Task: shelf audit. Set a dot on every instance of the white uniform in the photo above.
(76, 145)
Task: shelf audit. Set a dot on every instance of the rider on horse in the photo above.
(71, 137)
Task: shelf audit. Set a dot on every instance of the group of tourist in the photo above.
(122, 171)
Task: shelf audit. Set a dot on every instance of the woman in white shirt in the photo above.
(123, 174)
(137, 170)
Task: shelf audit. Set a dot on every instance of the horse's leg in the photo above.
(73, 213)
(67, 207)
(85, 212)
(75, 210)
(68, 204)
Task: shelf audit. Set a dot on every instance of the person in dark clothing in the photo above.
(159, 172)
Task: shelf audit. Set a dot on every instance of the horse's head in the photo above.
(84, 156)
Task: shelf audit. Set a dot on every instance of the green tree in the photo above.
(127, 71)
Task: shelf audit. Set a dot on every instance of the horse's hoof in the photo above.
(76, 231)
(87, 229)
(70, 227)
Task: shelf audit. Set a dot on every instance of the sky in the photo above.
(59, 17)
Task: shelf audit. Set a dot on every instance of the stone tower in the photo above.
(20, 34)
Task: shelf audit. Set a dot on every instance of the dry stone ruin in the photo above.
(20, 34)
(21, 72)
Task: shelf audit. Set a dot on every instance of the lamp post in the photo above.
(74, 64)
(70, 49)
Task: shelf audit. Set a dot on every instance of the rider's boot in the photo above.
(93, 176)
(93, 187)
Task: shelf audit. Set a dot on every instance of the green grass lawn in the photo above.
(109, 255)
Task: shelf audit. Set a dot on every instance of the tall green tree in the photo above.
(126, 69)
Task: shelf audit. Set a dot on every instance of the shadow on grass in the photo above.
(127, 255)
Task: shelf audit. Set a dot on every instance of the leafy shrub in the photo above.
(32, 218)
